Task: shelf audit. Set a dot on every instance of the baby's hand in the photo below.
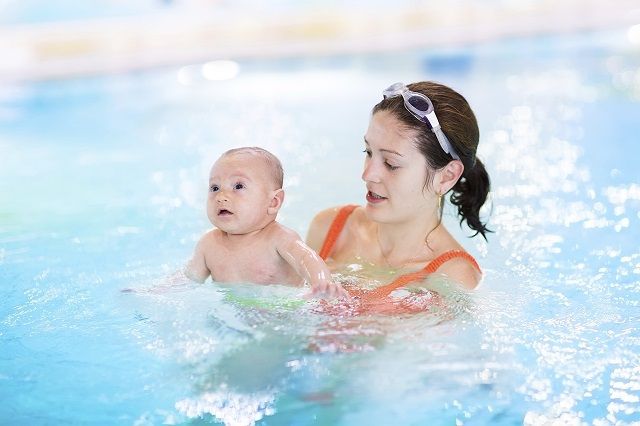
(327, 289)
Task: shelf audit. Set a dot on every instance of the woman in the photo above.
(420, 145)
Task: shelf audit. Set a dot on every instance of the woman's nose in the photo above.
(370, 172)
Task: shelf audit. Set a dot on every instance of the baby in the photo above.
(248, 245)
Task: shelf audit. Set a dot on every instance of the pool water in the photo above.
(103, 184)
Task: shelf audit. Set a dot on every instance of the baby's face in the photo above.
(241, 190)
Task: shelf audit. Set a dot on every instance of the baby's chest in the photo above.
(262, 265)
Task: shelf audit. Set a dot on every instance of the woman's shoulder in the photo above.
(461, 267)
(451, 259)
(322, 222)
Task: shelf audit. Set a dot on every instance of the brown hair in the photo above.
(461, 128)
(270, 160)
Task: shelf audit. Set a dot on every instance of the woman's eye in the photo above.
(391, 167)
(367, 152)
(239, 186)
(214, 188)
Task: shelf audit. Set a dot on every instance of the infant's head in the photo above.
(245, 190)
(270, 162)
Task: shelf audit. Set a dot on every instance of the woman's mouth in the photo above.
(372, 197)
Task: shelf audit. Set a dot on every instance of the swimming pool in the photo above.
(102, 187)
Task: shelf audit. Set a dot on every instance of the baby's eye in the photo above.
(239, 186)
(214, 188)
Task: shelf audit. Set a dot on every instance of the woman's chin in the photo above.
(376, 211)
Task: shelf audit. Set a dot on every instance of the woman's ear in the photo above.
(277, 199)
(449, 175)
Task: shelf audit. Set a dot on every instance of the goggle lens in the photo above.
(419, 103)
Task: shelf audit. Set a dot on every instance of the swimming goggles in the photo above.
(422, 108)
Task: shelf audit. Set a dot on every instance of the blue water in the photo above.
(102, 187)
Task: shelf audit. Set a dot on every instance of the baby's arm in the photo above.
(309, 265)
(196, 269)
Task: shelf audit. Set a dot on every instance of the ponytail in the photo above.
(469, 194)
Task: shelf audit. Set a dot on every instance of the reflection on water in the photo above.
(253, 352)
(557, 222)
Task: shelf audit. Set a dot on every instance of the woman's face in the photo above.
(395, 173)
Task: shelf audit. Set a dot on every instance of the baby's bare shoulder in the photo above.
(282, 234)
(210, 238)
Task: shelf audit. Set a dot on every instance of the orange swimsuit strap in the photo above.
(381, 292)
(402, 280)
(335, 229)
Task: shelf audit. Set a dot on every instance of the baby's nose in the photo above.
(222, 197)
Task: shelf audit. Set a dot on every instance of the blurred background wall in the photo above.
(63, 38)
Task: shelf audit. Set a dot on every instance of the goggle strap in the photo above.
(433, 119)
(445, 144)
(430, 118)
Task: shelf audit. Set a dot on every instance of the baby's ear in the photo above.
(276, 201)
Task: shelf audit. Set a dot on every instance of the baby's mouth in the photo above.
(224, 212)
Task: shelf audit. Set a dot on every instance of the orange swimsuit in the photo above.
(382, 292)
